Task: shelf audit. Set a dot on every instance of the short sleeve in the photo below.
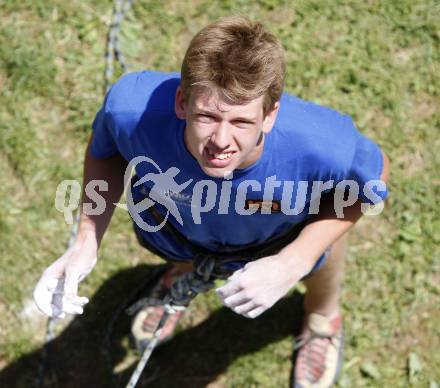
(366, 169)
(103, 143)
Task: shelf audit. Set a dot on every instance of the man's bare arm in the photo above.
(110, 170)
(326, 228)
(63, 276)
(256, 287)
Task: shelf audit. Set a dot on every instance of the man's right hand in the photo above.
(56, 292)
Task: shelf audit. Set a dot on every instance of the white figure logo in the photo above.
(163, 183)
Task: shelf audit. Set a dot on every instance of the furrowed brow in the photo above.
(251, 120)
(203, 111)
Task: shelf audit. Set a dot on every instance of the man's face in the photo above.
(223, 137)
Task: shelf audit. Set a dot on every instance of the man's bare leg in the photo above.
(320, 347)
(319, 352)
(324, 285)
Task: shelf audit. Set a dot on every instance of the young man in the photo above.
(230, 164)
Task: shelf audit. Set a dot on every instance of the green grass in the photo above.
(377, 61)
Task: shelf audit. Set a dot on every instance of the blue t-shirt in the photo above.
(307, 143)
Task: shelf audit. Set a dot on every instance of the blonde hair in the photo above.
(238, 58)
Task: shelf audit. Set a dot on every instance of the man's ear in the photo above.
(270, 118)
(180, 104)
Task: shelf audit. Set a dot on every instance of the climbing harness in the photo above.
(208, 267)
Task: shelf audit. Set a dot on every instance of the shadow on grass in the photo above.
(193, 358)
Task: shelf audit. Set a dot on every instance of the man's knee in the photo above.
(332, 270)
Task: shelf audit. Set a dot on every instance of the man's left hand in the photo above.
(257, 286)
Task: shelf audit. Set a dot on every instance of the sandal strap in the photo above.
(319, 326)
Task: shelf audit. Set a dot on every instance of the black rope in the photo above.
(120, 8)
